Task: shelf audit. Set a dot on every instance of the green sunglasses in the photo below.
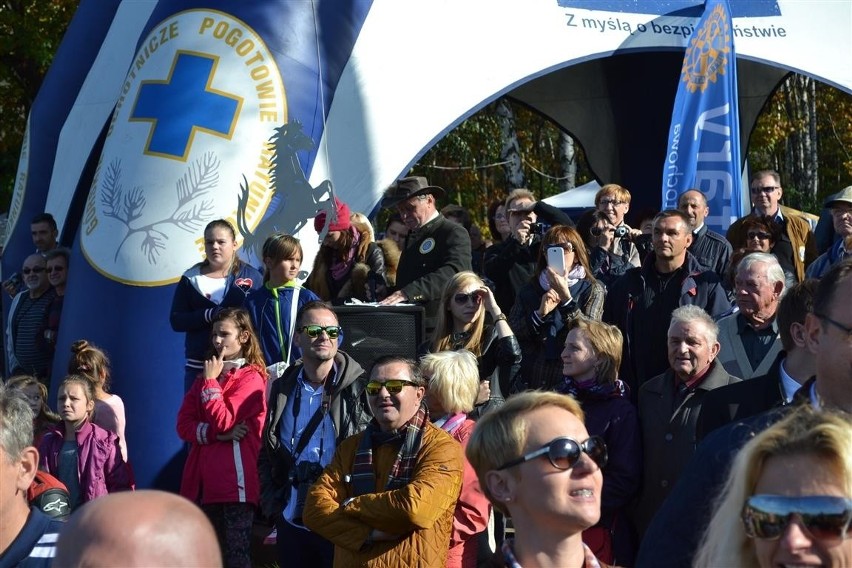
(333, 331)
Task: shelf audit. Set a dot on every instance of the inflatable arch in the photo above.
(157, 116)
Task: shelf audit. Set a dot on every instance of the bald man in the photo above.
(138, 529)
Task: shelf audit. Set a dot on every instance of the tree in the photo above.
(30, 32)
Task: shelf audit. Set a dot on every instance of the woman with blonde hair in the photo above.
(788, 497)
(460, 324)
(452, 386)
(537, 464)
(547, 305)
(590, 363)
(44, 419)
(348, 243)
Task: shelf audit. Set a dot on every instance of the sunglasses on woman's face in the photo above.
(824, 517)
(393, 386)
(313, 331)
(758, 235)
(462, 299)
(564, 453)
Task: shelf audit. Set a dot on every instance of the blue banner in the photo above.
(703, 149)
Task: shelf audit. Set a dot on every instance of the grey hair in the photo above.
(774, 272)
(16, 423)
(691, 313)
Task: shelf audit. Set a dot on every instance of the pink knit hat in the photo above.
(343, 214)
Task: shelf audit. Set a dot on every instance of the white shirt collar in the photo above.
(788, 384)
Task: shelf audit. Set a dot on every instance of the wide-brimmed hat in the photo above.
(407, 187)
(842, 196)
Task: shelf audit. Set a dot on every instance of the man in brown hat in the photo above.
(435, 249)
(840, 205)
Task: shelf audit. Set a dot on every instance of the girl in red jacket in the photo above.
(222, 417)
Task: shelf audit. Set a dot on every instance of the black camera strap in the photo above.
(315, 420)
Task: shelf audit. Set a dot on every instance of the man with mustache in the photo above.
(26, 349)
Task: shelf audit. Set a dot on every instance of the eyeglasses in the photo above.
(564, 453)
(564, 246)
(393, 386)
(462, 299)
(758, 235)
(37, 270)
(314, 330)
(55, 269)
(837, 324)
(597, 231)
(765, 189)
(613, 202)
(824, 517)
(499, 215)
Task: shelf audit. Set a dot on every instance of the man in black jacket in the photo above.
(709, 247)
(435, 249)
(314, 405)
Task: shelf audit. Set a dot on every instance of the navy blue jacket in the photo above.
(192, 312)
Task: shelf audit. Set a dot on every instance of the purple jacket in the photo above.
(99, 465)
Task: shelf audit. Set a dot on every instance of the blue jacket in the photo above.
(269, 309)
(192, 312)
(35, 545)
(826, 260)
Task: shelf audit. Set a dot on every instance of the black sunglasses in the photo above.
(462, 299)
(824, 517)
(759, 234)
(36, 269)
(564, 453)
(313, 331)
(764, 189)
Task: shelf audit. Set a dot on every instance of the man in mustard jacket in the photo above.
(387, 498)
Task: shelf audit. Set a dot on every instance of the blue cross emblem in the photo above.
(183, 104)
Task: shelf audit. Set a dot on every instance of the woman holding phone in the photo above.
(562, 289)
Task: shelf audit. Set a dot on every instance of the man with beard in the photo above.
(26, 350)
(750, 337)
(313, 406)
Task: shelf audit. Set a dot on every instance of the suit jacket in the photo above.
(437, 251)
(733, 355)
(669, 436)
(739, 401)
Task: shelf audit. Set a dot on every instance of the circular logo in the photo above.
(194, 119)
(708, 51)
(427, 246)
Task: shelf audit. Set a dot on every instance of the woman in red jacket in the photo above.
(222, 417)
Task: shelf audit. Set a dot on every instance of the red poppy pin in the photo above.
(244, 284)
(693, 291)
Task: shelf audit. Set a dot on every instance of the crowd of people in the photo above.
(581, 394)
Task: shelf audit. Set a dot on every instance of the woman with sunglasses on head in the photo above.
(788, 497)
(56, 266)
(461, 325)
(554, 298)
(452, 385)
(538, 465)
(220, 281)
(590, 363)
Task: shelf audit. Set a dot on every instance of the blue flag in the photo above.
(703, 150)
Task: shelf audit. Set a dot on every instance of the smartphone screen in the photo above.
(556, 259)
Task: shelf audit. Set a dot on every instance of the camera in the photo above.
(538, 229)
(622, 231)
(302, 477)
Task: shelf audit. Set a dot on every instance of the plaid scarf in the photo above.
(408, 437)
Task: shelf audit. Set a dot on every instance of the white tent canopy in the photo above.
(581, 197)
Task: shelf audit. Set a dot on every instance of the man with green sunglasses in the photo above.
(317, 403)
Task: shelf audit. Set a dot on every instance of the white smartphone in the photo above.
(556, 259)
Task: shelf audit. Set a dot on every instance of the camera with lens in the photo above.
(302, 477)
(622, 231)
(538, 229)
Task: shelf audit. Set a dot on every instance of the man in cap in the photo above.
(840, 206)
(435, 249)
